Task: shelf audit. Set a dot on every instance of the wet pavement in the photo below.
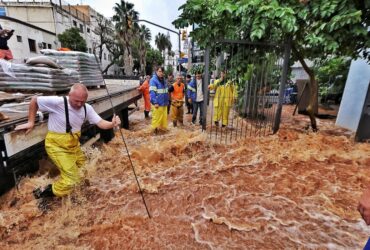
(295, 189)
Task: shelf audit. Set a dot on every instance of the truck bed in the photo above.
(17, 148)
(95, 96)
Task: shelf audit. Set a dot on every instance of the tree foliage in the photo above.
(332, 74)
(162, 42)
(317, 29)
(126, 28)
(72, 39)
(144, 38)
(107, 38)
(153, 59)
(168, 70)
(116, 49)
(105, 33)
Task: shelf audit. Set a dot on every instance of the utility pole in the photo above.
(173, 31)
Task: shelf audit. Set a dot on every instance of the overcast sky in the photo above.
(162, 12)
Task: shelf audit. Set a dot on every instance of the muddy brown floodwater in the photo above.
(295, 189)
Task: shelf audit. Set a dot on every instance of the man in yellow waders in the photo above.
(177, 91)
(66, 116)
(223, 100)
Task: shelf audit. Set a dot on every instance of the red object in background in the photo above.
(64, 49)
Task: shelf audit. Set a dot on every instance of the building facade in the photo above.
(37, 24)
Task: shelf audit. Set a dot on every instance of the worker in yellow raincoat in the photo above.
(223, 100)
(66, 116)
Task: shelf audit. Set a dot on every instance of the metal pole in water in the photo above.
(123, 139)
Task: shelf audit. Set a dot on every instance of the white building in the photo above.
(298, 72)
(37, 24)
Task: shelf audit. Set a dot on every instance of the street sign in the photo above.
(182, 60)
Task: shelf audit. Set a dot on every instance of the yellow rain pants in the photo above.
(221, 113)
(177, 111)
(223, 101)
(159, 117)
(65, 152)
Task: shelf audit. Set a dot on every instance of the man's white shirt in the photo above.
(54, 105)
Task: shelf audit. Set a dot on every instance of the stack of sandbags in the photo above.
(85, 64)
(39, 77)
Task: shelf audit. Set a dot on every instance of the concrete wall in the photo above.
(19, 43)
(39, 15)
(354, 95)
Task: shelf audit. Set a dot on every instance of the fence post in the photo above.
(205, 88)
(283, 80)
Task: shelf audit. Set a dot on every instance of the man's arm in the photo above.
(171, 89)
(104, 124)
(31, 116)
(153, 93)
(364, 206)
(214, 84)
(10, 34)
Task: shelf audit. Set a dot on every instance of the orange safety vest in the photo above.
(178, 92)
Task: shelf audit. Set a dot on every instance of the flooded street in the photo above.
(292, 190)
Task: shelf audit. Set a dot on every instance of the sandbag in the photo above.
(43, 60)
(85, 64)
(26, 77)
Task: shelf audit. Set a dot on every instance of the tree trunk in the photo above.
(127, 55)
(100, 52)
(127, 59)
(313, 86)
(142, 54)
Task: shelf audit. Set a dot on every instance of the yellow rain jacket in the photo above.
(223, 100)
(65, 152)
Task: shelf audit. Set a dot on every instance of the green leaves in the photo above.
(318, 28)
(258, 29)
(343, 19)
(327, 8)
(197, 69)
(72, 39)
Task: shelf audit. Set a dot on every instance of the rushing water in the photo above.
(291, 190)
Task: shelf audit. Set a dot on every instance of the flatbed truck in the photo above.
(20, 153)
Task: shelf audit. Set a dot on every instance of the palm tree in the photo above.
(163, 42)
(169, 45)
(144, 38)
(126, 27)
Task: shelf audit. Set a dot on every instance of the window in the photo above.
(88, 30)
(90, 50)
(44, 45)
(2, 11)
(49, 46)
(105, 56)
(32, 45)
(110, 57)
(19, 39)
(74, 23)
(81, 28)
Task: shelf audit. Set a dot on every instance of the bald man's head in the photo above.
(78, 95)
